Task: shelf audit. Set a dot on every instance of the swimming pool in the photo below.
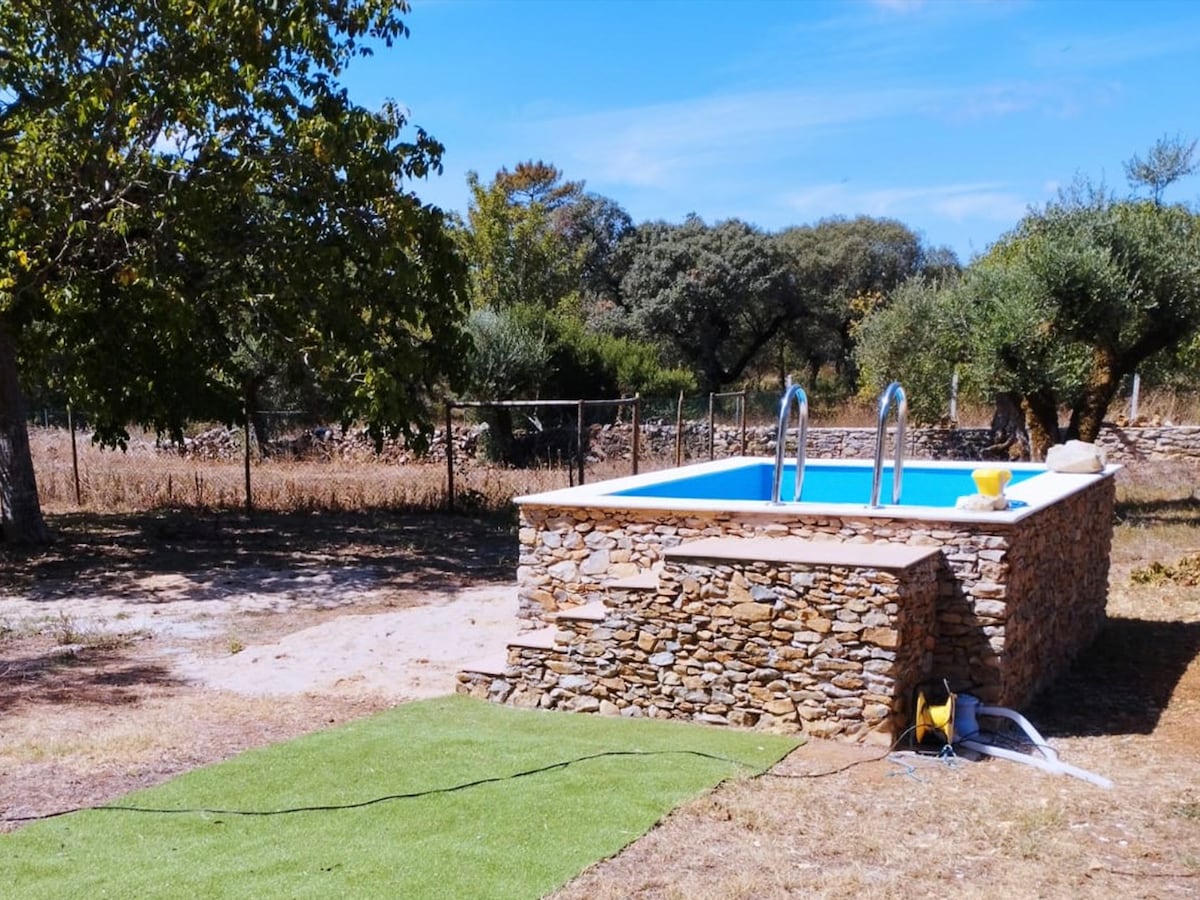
(1020, 591)
(824, 482)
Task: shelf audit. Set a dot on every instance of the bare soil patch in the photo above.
(142, 646)
(114, 647)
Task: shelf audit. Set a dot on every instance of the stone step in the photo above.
(588, 612)
(642, 581)
(540, 639)
(492, 665)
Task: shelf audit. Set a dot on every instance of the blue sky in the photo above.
(953, 117)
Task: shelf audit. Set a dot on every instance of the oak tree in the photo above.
(190, 199)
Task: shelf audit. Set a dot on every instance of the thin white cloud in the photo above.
(1078, 50)
(956, 202)
(899, 6)
(664, 144)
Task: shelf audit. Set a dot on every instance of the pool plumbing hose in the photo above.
(957, 721)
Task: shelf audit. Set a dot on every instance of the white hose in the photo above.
(1047, 765)
(1048, 762)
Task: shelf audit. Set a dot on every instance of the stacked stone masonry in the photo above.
(1121, 443)
(831, 650)
(1015, 601)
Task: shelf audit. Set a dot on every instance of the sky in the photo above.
(956, 118)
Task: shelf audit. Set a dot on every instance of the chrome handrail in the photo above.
(892, 394)
(793, 394)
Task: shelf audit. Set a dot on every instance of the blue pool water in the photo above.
(822, 484)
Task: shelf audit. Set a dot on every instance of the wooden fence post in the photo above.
(449, 457)
(74, 453)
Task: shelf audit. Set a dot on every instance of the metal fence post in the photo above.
(710, 426)
(742, 416)
(679, 431)
(579, 440)
(637, 430)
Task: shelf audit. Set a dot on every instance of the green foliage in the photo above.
(714, 295)
(1170, 159)
(425, 800)
(848, 268)
(1076, 298)
(526, 352)
(516, 251)
(195, 206)
(920, 338)
(509, 356)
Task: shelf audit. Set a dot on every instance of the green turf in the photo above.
(513, 837)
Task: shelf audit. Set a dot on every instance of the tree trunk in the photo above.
(1102, 383)
(1009, 437)
(1041, 422)
(21, 514)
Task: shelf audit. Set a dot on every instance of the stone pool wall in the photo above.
(1016, 601)
(832, 649)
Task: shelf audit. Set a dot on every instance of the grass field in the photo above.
(444, 798)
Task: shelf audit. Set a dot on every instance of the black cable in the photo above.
(850, 765)
(388, 797)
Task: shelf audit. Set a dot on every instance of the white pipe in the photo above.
(1053, 766)
(1025, 725)
(969, 707)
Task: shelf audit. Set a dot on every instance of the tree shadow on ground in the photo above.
(106, 553)
(1145, 513)
(75, 677)
(1122, 683)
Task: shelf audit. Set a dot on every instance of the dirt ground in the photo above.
(144, 646)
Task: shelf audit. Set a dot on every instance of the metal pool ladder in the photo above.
(893, 394)
(793, 395)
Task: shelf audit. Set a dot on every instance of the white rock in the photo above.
(1075, 456)
(981, 502)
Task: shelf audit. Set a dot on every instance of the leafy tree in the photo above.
(919, 338)
(850, 267)
(516, 249)
(715, 296)
(1170, 159)
(1075, 299)
(191, 201)
(527, 352)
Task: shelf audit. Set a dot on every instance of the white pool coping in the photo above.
(1036, 493)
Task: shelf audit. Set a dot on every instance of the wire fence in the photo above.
(282, 461)
(480, 457)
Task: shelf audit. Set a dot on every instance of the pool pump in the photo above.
(953, 720)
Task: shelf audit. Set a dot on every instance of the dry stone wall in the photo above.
(1120, 443)
(615, 442)
(827, 650)
(1015, 601)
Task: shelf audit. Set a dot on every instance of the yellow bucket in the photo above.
(991, 482)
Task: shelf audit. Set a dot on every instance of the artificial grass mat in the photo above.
(603, 782)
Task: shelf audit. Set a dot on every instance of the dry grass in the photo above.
(916, 826)
(900, 827)
(142, 479)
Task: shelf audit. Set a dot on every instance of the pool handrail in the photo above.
(793, 394)
(893, 395)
